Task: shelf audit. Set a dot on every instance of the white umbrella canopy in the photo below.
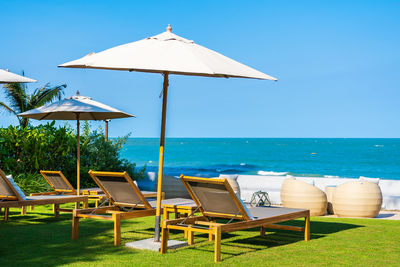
(75, 108)
(9, 77)
(166, 53)
(68, 109)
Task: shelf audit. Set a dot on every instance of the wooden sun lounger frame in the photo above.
(112, 212)
(18, 202)
(71, 190)
(92, 195)
(214, 230)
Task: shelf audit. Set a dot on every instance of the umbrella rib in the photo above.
(91, 114)
(48, 114)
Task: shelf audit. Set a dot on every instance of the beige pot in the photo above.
(301, 195)
(357, 199)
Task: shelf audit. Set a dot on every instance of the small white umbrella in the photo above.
(9, 77)
(166, 53)
(75, 108)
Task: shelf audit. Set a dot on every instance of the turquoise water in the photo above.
(208, 157)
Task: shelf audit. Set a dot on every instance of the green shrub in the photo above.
(26, 151)
(32, 183)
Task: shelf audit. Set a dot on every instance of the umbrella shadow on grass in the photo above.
(275, 238)
(15, 217)
(272, 238)
(316, 227)
(48, 242)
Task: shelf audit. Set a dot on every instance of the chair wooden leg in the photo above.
(77, 205)
(262, 231)
(23, 210)
(6, 213)
(211, 235)
(75, 226)
(96, 203)
(86, 204)
(32, 208)
(185, 232)
(190, 235)
(117, 229)
(56, 211)
(217, 244)
(164, 239)
(165, 214)
(307, 228)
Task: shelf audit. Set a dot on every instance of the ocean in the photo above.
(318, 157)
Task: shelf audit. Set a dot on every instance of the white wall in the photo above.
(272, 185)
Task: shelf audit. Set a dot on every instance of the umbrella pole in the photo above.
(106, 129)
(161, 159)
(78, 155)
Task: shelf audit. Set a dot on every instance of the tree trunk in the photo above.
(24, 122)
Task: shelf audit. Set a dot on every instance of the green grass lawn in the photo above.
(38, 239)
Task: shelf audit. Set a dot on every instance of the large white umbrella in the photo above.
(166, 53)
(9, 77)
(75, 108)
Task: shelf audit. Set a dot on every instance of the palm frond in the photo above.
(16, 94)
(4, 106)
(46, 94)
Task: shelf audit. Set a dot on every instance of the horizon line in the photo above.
(208, 137)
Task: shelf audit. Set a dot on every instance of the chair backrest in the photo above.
(58, 181)
(7, 190)
(120, 189)
(215, 197)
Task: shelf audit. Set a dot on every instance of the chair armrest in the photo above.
(44, 193)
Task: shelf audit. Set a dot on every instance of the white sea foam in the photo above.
(331, 176)
(271, 173)
(242, 164)
(363, 177)
(378, 145)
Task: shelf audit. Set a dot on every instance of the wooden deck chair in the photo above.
(61, 185)
(11, 197)
(127, 202)
(216, 199)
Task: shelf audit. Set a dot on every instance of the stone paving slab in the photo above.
(149, 244)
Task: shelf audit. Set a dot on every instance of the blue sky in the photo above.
(337, 63)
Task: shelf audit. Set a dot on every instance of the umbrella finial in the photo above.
(169, 28)
(77, 92)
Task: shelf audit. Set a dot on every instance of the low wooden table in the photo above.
(94, 193)
(91, 191)
(178, 210)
